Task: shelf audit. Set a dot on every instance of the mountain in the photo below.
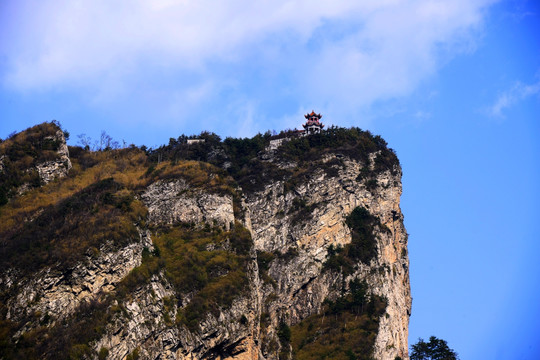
(274, 247)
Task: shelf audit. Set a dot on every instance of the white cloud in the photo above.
(511, 97)
(337, 55)
(403, 48)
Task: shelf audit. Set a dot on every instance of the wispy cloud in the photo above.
(511, 97)
(340, 55)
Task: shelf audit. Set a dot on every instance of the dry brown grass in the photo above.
(197, 174)
(125, 166)
(29, 135)
(128, 167)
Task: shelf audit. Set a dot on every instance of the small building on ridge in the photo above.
(313, 124)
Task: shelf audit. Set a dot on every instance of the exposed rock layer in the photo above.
(173, 201)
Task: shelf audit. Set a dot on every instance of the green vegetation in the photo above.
(209, 263)
(348, 325)
(134, 355)
(308, 152)
(435, 349)
(288, 255)
(284, 336)
(301, 211)
(59, 224)
(353, 142)
(241, 157)
(211, 150)
(125, 166)
(103, 353)
(70, 338)
(345, 329)
(264, 258)
(94, 204)
(363, 246)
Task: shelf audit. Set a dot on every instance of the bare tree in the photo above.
(105, 142)
(85, 141)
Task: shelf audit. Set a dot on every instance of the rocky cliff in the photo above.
(224, 250)
(302, 283)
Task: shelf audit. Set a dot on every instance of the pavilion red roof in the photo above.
(313, 114)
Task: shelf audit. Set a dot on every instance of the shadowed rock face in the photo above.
(296, 225)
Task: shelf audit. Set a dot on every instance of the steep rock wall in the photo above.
(301, 283)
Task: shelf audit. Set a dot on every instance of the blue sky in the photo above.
(453, 86)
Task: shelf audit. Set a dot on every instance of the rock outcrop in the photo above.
(174, 201)
(50, 170)
(32, 158)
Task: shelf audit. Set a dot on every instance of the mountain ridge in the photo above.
(230, 249)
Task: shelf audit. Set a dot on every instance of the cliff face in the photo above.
(302, 285)
(209, 270)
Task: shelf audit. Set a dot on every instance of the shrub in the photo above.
(103, 353)
(345, 328)
(209, 263)
(241, 156)
(363, 246)
(287, 256)
(435, 349)
(301, 211)
(196, 174)
(134, 355)
(264, 258)
(284, 333)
